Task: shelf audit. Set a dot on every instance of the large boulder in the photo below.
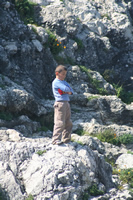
(36, 167)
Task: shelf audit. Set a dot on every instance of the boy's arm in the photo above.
(71, 90)
(61, 92)
(64, 88)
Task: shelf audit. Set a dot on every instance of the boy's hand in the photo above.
(69, 93)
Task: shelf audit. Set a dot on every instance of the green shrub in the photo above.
(2, 86)
(26, 10)
(81, 132)
(110, 161)
(105, 15)
(96, 84)
(109, 75)
(130, 152)
(93, 190)
(30, 197)
(60, 59)
(84, 69)
(41, 152)
(85, 196)
(92, 97)
(63, 61)
(79, 42)
(42, 128)
(81, 143)
(93, 81)
(34, 30)
(119, 90)
(2, 194)
(126, 139)
(6, 116)
(126, 176)
(54, 45)
(126, 97)
(108, 136)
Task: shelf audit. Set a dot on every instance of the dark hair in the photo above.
(60, 68)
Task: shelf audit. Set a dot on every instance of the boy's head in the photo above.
(61, 72)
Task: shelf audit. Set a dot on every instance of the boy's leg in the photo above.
(59, 121)
(66, 135)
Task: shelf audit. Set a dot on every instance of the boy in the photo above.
(62, 112)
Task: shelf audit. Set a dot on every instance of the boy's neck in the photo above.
(59, 78)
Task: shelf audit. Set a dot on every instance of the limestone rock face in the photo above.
(103, 27)
(60, 172)
(125, 161)
(96, 34)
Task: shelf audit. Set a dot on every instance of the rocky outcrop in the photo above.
(61, 172)
(22, 56)
(96, 34)
(33, 166)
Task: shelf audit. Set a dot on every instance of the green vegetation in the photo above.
(94, 190)
(26, 10)
(126, 97)
(42, 128)
(84, 69)
(61, 60)
(41, 152)
(126, 176)
(2, 194)
(110, 76)
(46, 122)
(130, 152)
(79, 42)
(110, 136)
(105, 15)
(93, 81)
(34, 30)
(81, 132)
(126, 139)
(110, 161)
(2, 86)
(30, 197)
(92, 97)
(54, 45)
(85, 196)
(6, 116)
(81, 143)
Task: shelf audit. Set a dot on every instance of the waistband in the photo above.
(62, 101)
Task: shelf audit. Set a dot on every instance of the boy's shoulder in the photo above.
(56, 81)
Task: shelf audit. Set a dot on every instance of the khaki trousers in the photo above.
(62, 123)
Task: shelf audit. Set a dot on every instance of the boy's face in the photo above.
(62, 75)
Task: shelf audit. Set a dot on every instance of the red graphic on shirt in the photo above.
(61, 92)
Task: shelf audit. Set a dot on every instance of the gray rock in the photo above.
(64, 171)
(125, 161)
